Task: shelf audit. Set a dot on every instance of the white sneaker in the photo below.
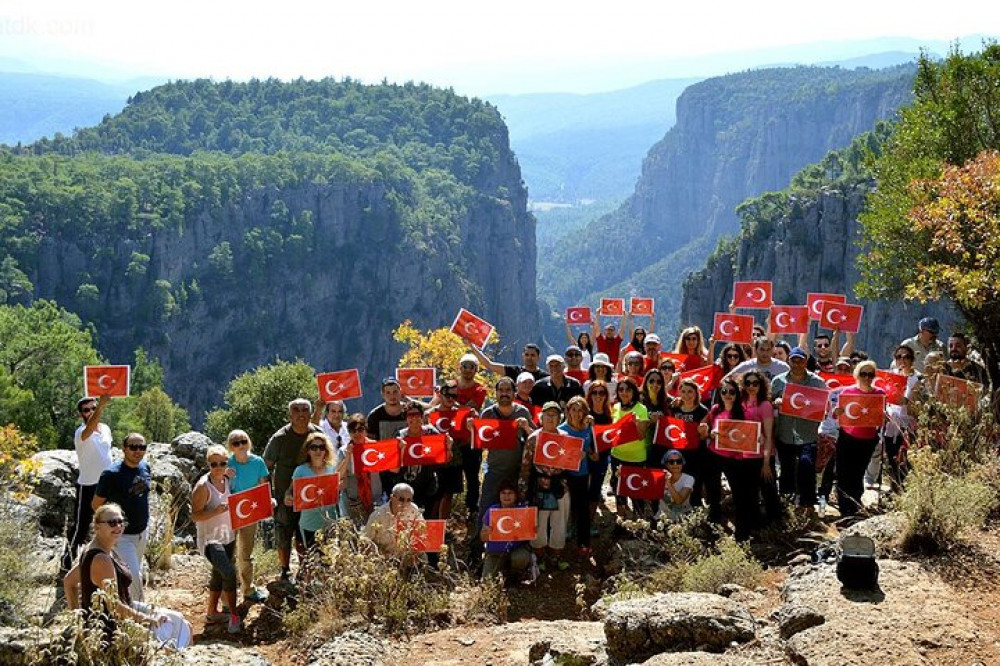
(822, 507)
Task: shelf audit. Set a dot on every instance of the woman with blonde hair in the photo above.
(691, 343)
(246, 470)
(321, 459)
(99, 569)
(855, 444)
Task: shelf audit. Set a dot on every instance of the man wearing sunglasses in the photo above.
(127, 483)
(92, 441)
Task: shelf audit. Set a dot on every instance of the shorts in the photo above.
(450, 480)
(286, 527)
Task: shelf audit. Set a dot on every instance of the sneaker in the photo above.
(256, 596)
(216, 618)
(235, 625)
(822, 507)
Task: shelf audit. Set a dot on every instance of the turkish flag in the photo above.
(622, 431)
(670, 432)
(579, 315)
(559, 451)
(514, 524)
(381, 456)
(805, 402)
(500, 434)
(956, 392)
(835, 380)
(425, 450)
(250, 506)
(471, 328)
(679, 360)
(862, 411)
(893, 384)
(791, 319)
(753, 295)
(841, 316)
(814, 301)
(613, 307)
(738, 436)
(451, 421)
(707, 378)
(645, 483)
(315, 491)
(426, 536)
(733, 328)
(641, 306)
(339, 385)
(417, 382)
(109, 380)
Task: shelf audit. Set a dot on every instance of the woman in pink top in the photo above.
(757, 407)
(855, 445)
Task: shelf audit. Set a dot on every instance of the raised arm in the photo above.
(95, 417)
(484, 360)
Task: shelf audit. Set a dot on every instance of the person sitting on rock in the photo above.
(383, 526)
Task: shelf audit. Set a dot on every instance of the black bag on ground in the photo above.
(857, 568)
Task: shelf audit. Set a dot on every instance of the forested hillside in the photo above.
(736, 137)
(221, 225)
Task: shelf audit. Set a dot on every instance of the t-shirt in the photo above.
(771, 370)
(506, 463)
(691, 421)
(587, 435)
(716, 413)
(93, 453)
(920, 352)
(283, 452)
(609, 346)
(794, 429)
(501, 546)
(634, 451)
(667, 506)
(513, 371)
(546, 390)
(759, 412)
(248, 474)
(582, 376)
(383, 425)
(471, 396)
(313, 520)
(128, 487)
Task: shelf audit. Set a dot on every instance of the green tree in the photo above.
(257, 401)
(933, 222)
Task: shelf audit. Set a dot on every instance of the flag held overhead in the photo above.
(641, 306)
(753, 295)
(471, 328)
(579, 315)
(339, 385)
(814, 301)
(733, 328)
(417, 382)
(110, 380)
(612, 307)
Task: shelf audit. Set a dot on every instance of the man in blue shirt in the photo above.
(127, 483)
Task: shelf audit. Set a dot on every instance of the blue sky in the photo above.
(479, 48)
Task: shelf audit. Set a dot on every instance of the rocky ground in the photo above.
(929, 610)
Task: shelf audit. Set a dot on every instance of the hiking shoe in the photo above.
(216, 618)
(256, 596)
(235, 625)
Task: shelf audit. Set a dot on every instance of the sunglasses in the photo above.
(357, 428)
(574, 354)
(752, 382)
(239, 442)
(732, 355)
(136, 447)
(728, 391)
(115, 522)
(216, 465)
(317, 447)
(674, 461)
(468, 366)
(634, 363)
(603, 393)
(903, 356)
(690, 337)
(88, 410)
(866, 374)
(654, 380)
(822, 345)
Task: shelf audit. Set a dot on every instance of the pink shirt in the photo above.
(854, 431)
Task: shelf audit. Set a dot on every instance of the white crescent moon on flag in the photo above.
(609, 436)
(840, 317)
(817, 307)
(783, 320)
(849, 414)
(628, 481)
(471, 328)
(484, 429)
(365, 457)
(420, 450)
(736, 435)
(575, 315)
(760, 290)
(793, 401)
(239, 510)
(674, 432)
(724, 330)
(879, 382)
(545, 450)
(443, 423)
(332, 387)
(303, 494)
(100, 381)
(500, 525)
(413, 382)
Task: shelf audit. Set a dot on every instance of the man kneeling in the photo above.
(502, 556)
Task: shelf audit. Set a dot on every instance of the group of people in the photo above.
(598, 381)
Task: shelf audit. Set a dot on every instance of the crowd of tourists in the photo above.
(609, 373)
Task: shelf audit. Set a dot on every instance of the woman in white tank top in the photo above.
(216, 539)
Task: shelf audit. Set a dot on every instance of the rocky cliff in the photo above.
(736, 136)
(813, 248)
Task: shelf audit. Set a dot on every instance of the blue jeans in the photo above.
(223, 559)
(797, 476)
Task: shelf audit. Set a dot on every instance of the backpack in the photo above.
(857, 568)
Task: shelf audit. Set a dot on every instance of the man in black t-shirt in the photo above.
(385, 422)
(529, 356)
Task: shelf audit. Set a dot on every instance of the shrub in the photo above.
(17, 536)
(732, 564)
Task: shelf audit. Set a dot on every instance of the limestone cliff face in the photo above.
(736, 136)
(332, 302)
(814, 249)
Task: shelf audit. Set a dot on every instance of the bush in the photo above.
(351, 585)
(17, 536)
(732, 564)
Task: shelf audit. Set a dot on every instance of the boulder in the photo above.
(698, 659)
(793, 618)
(352, 648)
(192, 446)
(55, 490)
(212, 654)
(885, 530)
(17, 645)
(637, 629)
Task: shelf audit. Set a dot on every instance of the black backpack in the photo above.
(857, 568)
